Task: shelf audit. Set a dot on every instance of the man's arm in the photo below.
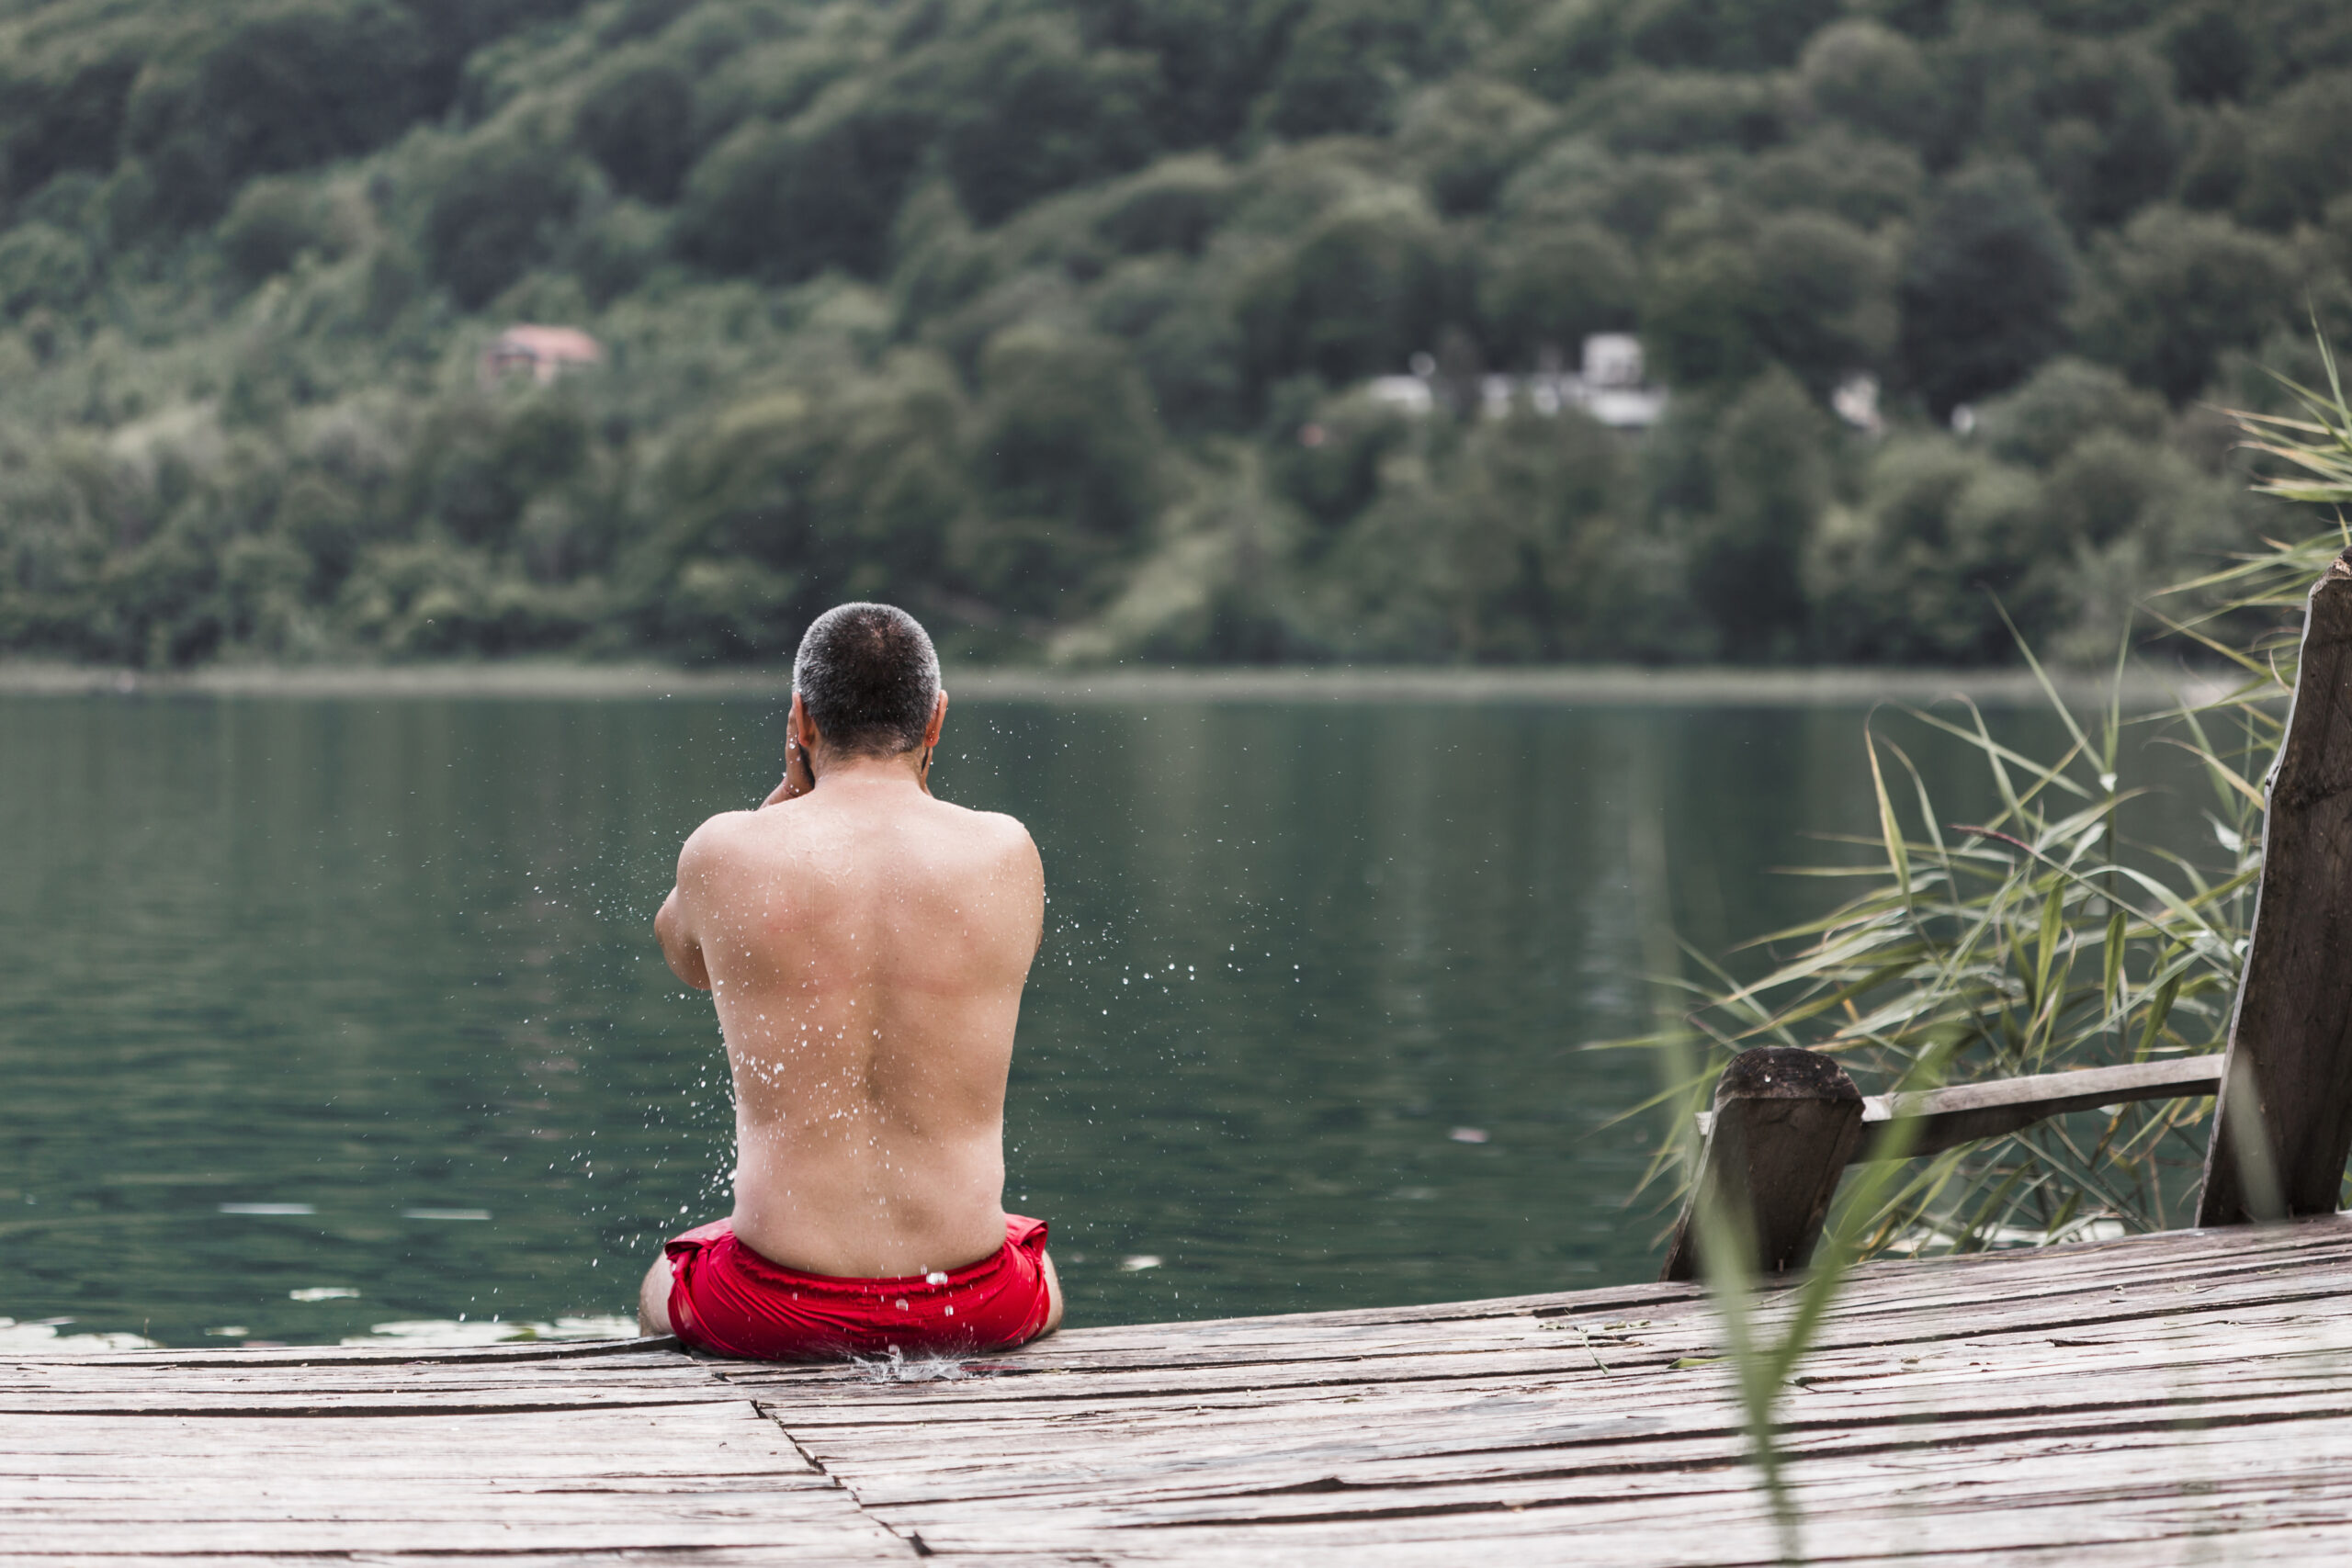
(1026, 879)
(680, 945)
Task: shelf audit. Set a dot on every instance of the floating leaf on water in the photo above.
(1469, 1134)
(318, 1294)
(1138, 1262)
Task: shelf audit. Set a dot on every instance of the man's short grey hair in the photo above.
(869, 677)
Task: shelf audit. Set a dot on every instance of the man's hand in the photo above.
(798, 780)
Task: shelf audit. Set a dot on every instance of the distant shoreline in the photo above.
(1564, 685)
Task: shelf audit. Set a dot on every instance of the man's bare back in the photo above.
(866, 945)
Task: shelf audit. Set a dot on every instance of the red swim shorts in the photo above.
(729, 1301)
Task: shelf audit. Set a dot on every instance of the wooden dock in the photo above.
(2180, 1398)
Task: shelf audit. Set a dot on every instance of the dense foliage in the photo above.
(1050, 319)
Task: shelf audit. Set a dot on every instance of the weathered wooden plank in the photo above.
(1786, 1123)
(763, 1556)
(1946, 1118)
(675, 1478)
(2290, 1030)
(1565, 1426)
(656, 1351)
(2016, 1475)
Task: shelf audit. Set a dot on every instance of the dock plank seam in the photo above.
(911, 1540)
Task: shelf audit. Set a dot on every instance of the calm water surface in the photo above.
(319, 1016)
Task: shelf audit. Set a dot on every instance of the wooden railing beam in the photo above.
(1948, 1117)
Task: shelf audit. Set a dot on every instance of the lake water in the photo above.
(322, 1016)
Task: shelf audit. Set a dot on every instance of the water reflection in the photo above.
(331, 1019)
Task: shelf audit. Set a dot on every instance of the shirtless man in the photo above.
(865, 946)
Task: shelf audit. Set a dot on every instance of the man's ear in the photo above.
(938, 717)
(803, 727)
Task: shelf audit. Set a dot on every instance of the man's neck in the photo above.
(872, 772)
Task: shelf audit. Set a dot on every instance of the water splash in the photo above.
(897, 1366)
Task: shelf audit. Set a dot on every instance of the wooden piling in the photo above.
(1785, 1126)
(2284, 1124)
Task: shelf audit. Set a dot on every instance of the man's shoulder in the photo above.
(1002, 823)
(998, 830)
(717, 835)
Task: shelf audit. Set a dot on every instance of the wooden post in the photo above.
(1785, 1126)
(2284, 1122)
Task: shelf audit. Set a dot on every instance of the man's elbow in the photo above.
(686, 964)
(684, 958)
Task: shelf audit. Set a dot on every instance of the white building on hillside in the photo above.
(1610, 385)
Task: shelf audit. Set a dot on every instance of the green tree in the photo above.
(479, 465)
(1682, 111)
(498, 208)
(1328, 454)
(271, 222)
(66, 118)
(1465, 137)
(1066, 433)
(1985, 288)
(43, 267)
(1944, 540)
(1566, 46)
(1700, 303)
(1548, 286)
(1873, 79)
(2213, 48)
(1186, 346)
(1210, 60)
(1362, 289)
(1577, 180)
(1723, 35)
(1347, 63)
(2174, 290)
(788, 201)
(2294, 163)
(1824, 296)
(1772, 480)
(280, 88)
(1030, 112)
(2113, 139)
(1866, 183)
(1174, 204)
(2060, 404)
(636, 120)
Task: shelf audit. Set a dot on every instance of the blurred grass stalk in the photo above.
(2039, 941)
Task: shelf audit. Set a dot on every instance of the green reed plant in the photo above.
(2041, 939)
(2044, 938)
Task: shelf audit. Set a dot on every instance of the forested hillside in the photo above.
(1051, 320)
